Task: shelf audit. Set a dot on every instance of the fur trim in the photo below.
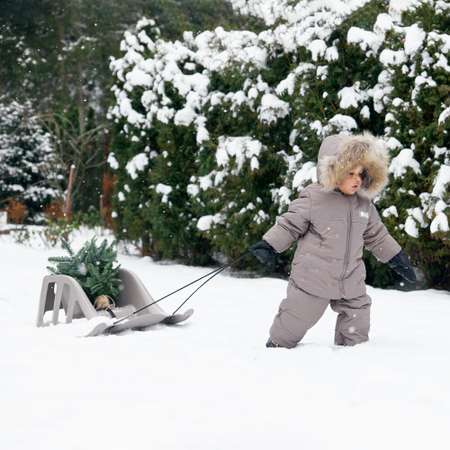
(343, 153)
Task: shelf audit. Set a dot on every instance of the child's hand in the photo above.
(400, 263)
(264, 253)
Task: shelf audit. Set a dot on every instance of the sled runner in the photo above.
(63, 292)
(139, 323)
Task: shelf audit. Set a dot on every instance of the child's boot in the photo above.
(270, 344)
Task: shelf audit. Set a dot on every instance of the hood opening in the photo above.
(339, 154)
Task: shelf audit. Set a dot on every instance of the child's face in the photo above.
(353, 181)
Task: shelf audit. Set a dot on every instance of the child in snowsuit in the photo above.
(332, 221)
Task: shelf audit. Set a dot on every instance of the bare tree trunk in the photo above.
(68, 203)
(108, 181)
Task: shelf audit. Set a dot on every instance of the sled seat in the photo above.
(64, 292)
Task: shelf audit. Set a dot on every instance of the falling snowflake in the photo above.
(82, 269)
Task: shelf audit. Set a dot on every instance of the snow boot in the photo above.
(270, 344)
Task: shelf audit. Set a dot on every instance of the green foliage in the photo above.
(58, 231)
(93, 266)
(90, 219)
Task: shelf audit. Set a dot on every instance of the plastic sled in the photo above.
(63, 292)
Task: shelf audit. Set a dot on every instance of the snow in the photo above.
(439, 223)
(343, 122)
(350, 96)
(411, 227)
(184, 116)
(306, 174)
(391, 211)
(138, 77)
(332, 54)
(241, 149)
(397, 7)
(3, 219)
(415, 216)
(317, 49)
(206, 222)
(365, 112)
(365, 39)
(414, 39)
(193, 190)
(272, 108)
(202, 135)
(210, 383)
(164, 190)
(112, 161)
(444, 116)
(383, 23)
(137, 164)
(287, 85)
(127, 110)
(402, 161)
(420, 81)
(391, 57)
(442, 63)
(281, 196)
(442, 180)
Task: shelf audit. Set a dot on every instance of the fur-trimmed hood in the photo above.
(339, 153)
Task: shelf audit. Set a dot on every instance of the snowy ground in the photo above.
(210, 383)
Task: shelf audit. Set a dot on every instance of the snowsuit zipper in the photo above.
(349, 229)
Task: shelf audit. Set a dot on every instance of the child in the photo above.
(332, 221)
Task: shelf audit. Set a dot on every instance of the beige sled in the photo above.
(63, 292)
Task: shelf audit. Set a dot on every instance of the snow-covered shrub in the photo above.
(411, 95)
(418, 133)
(242, 161)
(156, 144)
(28, 169)
(252, 109)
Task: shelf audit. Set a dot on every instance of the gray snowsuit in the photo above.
(331, 229)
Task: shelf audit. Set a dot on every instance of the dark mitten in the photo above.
(264, 253)
(400, 263)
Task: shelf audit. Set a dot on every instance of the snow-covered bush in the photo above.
(251, 110)
(152, 158)
(412, 95)
(28, 170)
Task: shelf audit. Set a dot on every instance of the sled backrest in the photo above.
(133, 292)
(62, 291)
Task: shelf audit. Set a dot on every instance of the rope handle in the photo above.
(211, 274)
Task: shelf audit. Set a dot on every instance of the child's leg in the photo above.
(298, 312)
(353, 321)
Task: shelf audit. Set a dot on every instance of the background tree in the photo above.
(29, 172)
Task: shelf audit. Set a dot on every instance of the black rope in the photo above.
(211, 274)
(217, 273)
(206, 281)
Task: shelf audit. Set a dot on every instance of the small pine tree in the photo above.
(94, 267)
(28, 170)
